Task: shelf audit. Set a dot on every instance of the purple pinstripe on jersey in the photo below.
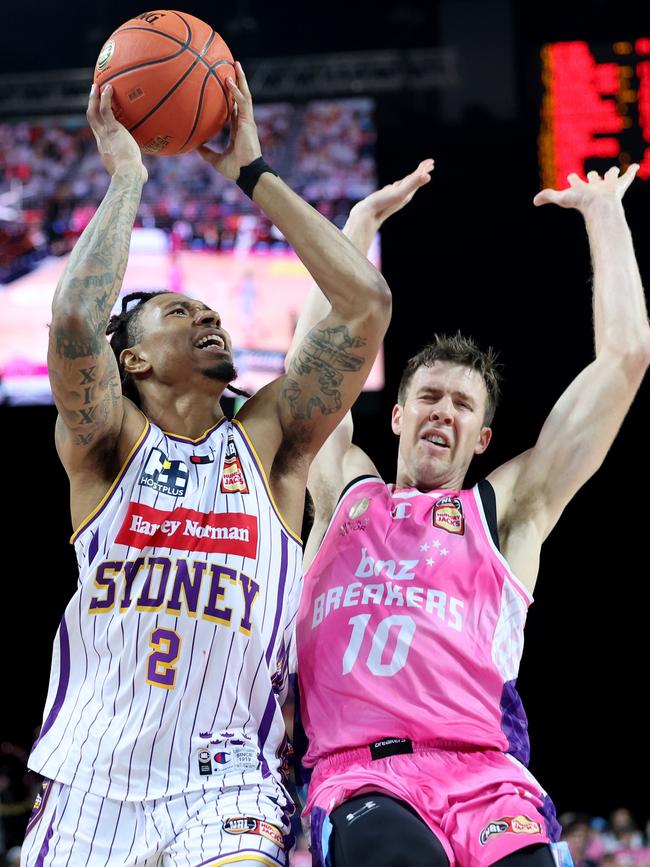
(94, 546)
(130, 741)
(94, 516)
(99, 710)
(265, 728)
(117, 825)
(64, 674)
(74, 833)
(144, 715)
(46, 845)
(119, 681)
(278, 609)
(80, 634)
(180, 707)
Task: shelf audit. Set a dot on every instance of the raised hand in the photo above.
(581, 194)
(118, 149)
(244, 144)
(383, 203)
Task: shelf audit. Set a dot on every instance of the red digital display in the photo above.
(595, 108)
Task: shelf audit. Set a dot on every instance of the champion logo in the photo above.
(221, 758)
(400, 511)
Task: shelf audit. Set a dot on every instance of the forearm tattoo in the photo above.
(83, 372)
(318, 369)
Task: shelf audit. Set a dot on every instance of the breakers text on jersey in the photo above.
(357, 593)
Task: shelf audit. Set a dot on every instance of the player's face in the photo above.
(440, 426)
(181, 337)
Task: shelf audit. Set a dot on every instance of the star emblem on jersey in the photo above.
(448, 515)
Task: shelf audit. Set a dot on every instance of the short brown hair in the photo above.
(458, 350)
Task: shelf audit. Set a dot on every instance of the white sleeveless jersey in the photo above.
(170, 664)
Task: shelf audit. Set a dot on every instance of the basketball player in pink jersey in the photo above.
(410, 627)
(163, 740)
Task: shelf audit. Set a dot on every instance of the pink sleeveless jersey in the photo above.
(410, 626)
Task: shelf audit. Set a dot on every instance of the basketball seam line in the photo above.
(165, 97)
(189, 29)
(200, 102)
(141, 65)
(185, 46)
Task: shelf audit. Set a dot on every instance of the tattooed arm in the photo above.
(339, 460)
(335, 357)
(82, 368)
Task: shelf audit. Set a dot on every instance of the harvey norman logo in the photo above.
(188, 530)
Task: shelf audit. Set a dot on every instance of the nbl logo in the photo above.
(233, 479)
(163, 475)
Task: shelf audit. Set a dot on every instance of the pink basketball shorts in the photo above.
(481, 804)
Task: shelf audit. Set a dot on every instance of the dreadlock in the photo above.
(126, 330)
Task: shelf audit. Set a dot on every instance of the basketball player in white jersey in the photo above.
(410, 627)
(163, 741)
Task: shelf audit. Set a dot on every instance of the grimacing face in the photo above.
(440, 426)
(180, 337)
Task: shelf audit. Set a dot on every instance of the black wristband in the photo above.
(250, 174)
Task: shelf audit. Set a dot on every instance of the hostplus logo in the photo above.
(163, 475)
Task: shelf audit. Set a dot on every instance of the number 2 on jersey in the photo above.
(166, 646)
(374, 662)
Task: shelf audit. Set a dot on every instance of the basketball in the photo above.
(168, 71)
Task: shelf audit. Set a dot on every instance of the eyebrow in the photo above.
(185, 304)
(427, 389)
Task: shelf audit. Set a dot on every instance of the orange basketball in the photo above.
(168, 71)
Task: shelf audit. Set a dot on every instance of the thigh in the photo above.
(72, 828)
(246, 826)
(495, 808)
(530, 856)
(375, 830)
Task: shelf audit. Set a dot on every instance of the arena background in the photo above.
(470, 252)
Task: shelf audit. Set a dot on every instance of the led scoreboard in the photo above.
(595, 108)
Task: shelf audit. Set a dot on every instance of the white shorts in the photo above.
(235, 825)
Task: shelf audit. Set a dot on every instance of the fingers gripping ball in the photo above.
(168, 71)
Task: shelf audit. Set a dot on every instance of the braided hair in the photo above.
(125, 330)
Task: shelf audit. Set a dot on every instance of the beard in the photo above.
(223, 371)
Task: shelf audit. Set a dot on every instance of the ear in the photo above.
(483, 440)
(133, 362)
(396, 419)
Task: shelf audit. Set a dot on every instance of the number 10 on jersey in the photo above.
(406, 630)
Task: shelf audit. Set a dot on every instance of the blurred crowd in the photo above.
(51, 180)
(618, 840)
